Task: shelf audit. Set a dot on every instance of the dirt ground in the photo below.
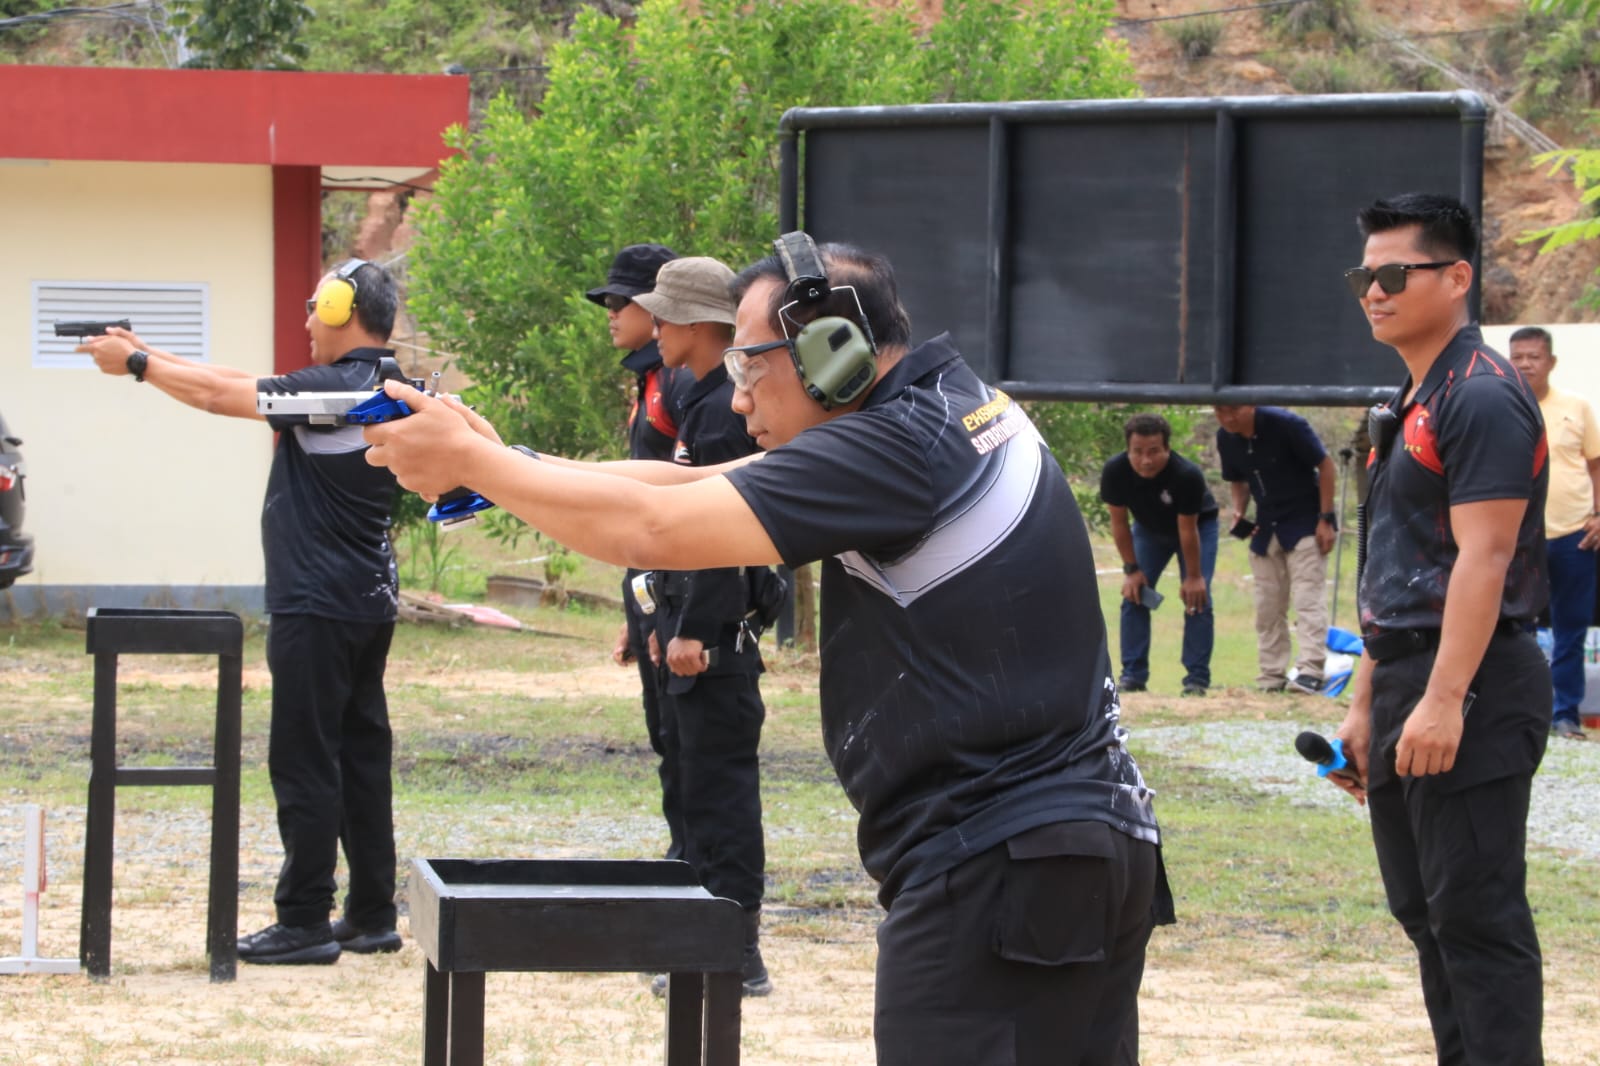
(1202, 1005)
(1210, 997)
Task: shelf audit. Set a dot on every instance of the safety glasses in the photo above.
(1391, 277)
(744, 369)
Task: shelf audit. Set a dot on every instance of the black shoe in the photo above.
(365, 941)
(290, 945)
(1128, 684)
(1192, 689)
(754, 972)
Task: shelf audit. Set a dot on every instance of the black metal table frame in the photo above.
(121, 631)
(576, 916)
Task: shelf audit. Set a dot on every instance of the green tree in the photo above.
(1584, 162)
(665, 130)
(1572, 8)
(240, 34)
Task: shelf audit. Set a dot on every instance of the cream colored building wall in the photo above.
(1577, 348)
(126, 486)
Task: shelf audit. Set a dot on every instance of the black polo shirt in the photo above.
(1472, 432)
(707, 605)
(967, 693)
(325, 521)
(1280, 463)
(1156, 502)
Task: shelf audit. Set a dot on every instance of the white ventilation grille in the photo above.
(172, 316)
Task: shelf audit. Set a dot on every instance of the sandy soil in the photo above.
(1210, 997)
(1206, 1004)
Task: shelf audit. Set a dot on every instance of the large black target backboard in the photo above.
(1168, 250)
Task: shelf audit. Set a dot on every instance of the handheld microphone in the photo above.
(1327, 754)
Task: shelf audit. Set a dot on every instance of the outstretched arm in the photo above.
(215, 390)
(613, 512)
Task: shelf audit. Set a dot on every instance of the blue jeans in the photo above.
(1153, 551)
(1572, 581)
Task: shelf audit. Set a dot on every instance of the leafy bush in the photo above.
(1561, 70)
(665, 130)
(1585, 165)
(505, 39)
(1344, 71)
(241, 34)
(1340, 22)
(1196, 37)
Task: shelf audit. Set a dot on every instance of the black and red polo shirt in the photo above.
(1471, 433)
(657, 404)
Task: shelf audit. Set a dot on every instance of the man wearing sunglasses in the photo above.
(711, 709)
(968, 704)
(1451, 702)
(652, 431)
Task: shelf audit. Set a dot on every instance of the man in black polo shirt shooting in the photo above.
(968, 705)
(1451, 700)
(332, 594)
(1173, 514)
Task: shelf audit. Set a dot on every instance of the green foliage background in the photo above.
(241, 34)
(665, 130)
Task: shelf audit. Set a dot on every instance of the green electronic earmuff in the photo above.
(336, 300)
(835, 357)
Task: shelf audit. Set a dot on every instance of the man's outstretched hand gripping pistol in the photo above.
(365, 407)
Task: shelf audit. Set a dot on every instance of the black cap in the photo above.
(633, 271)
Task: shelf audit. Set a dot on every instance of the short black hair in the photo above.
(377, 299)
(1534, 333)
(1147, 425)
(869, 273)
(1448, 229)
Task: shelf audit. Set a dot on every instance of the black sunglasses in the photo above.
(614, 302)
(1391, 277)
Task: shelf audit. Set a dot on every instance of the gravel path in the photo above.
(1262, 756)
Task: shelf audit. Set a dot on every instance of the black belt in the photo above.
(1385, 644)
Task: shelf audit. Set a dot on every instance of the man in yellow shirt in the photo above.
(1571, 520)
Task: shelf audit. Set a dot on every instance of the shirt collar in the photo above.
(916, 364)
(643, 360)
(707, 385)
(364, 355)
(1467, 340)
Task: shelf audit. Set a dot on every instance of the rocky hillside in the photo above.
(1249, 56)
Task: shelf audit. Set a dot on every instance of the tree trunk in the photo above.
(805, 609)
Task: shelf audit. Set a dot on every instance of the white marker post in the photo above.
(33, 884)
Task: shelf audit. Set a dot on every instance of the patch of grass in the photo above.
(1196, 37)
(1339, 22)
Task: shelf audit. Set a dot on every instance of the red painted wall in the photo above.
(227, 116)
(297, 261)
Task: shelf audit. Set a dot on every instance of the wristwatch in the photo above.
(138, 362)
(1330, 517)
(1130, 568)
